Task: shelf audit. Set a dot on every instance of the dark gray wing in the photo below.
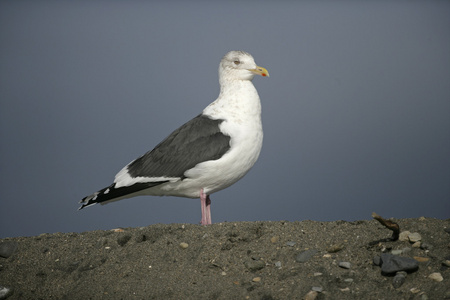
(197, 141)
(111, 192)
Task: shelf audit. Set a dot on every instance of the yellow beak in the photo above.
(260, 71)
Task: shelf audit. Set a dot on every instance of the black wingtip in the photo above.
(89, 203)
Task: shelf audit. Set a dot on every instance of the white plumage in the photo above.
(208, 153)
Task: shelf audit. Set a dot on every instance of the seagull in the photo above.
(205, 155)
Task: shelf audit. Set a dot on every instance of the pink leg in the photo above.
(205, 202)
(208, 210)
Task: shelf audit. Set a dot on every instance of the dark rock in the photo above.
(7, 249)
(305, 255)
(391, 264)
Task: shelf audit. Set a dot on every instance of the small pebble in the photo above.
(416, 245)
(426, 246)
(446, 263)
(344, 264)
(348, 280)
(318, 274)
(404, 236)
(223, 273)
(274, 239)
(415, 290)
(290, 244)
(184, 245)
(399, 279)
(414, 237)
(5, 292)
(335, 248)
(406, 250)
(421, 259)
(345, 290)
(254, 265)
(436, 277)
(317, 289)
(278, 264)
(311, 295)
(377, 260)
(327, 255)
(256, 279)
(397, 252)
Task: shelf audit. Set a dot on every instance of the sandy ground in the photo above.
(243, 260)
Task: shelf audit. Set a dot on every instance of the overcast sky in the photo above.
(356, 111)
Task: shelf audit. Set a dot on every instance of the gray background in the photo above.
(356, 111)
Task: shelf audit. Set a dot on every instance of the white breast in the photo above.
(241, 112)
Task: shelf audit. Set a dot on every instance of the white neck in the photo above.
(237, 99)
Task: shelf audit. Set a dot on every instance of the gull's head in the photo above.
(239, 65)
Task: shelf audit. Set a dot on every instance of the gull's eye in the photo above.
(237, 62)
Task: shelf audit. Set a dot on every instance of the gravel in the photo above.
(244, 260)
